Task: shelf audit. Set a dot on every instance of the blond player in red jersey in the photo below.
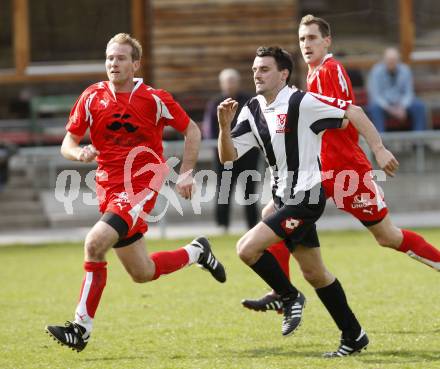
(350, 183)
(126, 119)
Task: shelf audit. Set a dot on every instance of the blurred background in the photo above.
(51, 50)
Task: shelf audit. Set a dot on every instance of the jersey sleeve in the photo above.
(323, 112)
(171, 111)
(77, 122)
(242, 136)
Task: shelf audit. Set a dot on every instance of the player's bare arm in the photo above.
(385, 159)
(225, 113)
(72, 150)
(185, 184)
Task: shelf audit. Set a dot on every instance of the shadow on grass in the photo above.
(119, 358)
(276, 351)
(367, 357)
(421, 332)
(401, 356)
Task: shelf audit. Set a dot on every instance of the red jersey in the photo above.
(340, 147)
(125, 123)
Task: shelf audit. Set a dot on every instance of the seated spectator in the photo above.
(391, 93)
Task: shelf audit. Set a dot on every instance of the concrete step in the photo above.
(20, 194)
(20, 207)
(19, 182)
(22, 221)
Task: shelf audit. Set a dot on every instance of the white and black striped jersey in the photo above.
(289, 132)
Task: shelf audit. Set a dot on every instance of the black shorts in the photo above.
(296, 223)
(120, 226)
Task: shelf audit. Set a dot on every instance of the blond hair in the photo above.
(125, 38)
(324, 27)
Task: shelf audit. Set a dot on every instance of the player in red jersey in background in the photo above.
(126, 119)
(344, 161)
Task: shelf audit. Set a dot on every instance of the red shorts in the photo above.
(358, 195)
(132, 210)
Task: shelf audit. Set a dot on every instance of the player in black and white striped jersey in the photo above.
(287, 125)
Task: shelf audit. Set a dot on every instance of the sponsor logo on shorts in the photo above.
(122, 201)
(290, 224)
(359, 202)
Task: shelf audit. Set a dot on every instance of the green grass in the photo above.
(187, 320)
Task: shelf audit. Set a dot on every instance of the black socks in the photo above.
(269, 270)
(333, 298)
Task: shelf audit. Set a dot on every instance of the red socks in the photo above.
(416, 247)
(91, 291)
(282, 254)
(169, 261)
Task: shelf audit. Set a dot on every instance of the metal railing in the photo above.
(51, 157)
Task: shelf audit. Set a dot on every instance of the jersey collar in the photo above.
(137, 83)
(284, 92)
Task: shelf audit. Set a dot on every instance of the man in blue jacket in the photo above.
(391, 93)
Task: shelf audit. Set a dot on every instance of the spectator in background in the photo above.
(6, 151)
(391, 93)
(229, 80)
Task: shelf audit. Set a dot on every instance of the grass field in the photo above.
(187, 320)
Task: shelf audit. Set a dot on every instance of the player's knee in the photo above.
(244, 252)
(317, 277)
(94, 249)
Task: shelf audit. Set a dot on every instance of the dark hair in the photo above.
(324, 27)
(281, 56)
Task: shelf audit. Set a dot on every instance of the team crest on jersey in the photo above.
(103, 103)
(290, 224)
(281, 123)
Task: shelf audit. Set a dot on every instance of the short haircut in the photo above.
(324, 27)
(281, 56)
(125, 38)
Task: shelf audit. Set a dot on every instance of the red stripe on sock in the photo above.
(417, 244)
(282, 254)
(169, 261)
(98, 281)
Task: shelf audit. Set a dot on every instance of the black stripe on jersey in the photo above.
(291, 138)
(263, 131)
(241, 129)
(323, 124)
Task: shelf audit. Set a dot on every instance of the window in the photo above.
(75, 30)
(6, 49)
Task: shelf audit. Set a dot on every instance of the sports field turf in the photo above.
(187, 320)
